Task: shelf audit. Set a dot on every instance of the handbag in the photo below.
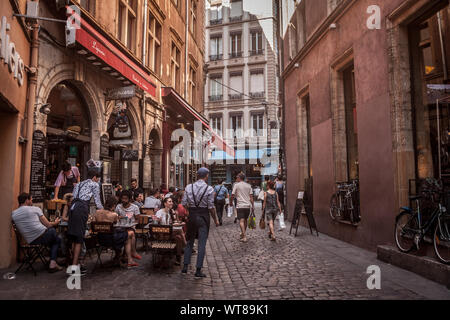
(262, 223)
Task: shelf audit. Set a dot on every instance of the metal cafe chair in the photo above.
(141, 232)
(162, 242)
(101, 228)
(30, 252)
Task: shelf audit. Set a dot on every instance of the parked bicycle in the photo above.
(410, 227)
(344, 204)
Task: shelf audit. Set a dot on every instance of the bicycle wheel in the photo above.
(405, 231)
(349, 208)
(335, 211)
(441, 239)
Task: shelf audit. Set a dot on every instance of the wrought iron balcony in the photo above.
(214, 22)
(236, 96)
(237, 18)
(256, 52)
(215, 57)
(216, 98)
(257, 94)
(236, 54)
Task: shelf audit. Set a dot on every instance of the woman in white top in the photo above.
(166, 216)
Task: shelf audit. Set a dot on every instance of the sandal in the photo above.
(137, 257)
(130, 265)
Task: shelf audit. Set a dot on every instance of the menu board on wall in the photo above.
(107, 191)
(38, 163)
(104, 146)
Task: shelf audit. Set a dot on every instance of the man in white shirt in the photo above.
(242, 191)
(36, 229)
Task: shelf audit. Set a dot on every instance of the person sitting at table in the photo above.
(152, 201)
(66, 181)
(126, 209)
(120, 238)
(36, 229)
(167, 216)
(139, 201)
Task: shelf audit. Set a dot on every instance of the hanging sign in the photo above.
(121, 93)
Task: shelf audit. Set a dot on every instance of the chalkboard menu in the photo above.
(130, 155)
(38, 163)
(104, 146)
(107, 191)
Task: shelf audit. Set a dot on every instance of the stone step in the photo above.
(424, 266)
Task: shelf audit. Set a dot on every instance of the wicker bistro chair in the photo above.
(98, 228)
(162, 242)
(141, 231)
(29, 252)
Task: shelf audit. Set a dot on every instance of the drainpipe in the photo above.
(29, 112)
(186, 51)
(441, 38)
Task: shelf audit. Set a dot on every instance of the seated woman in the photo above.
(120, 238)
(166, 216)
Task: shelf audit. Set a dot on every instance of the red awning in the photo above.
(93, 41)
(216, 140)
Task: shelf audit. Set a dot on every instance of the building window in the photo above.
(193, 20)
(257, 83)
(258, 124)
(236, 125)
(215, 88)
(175, 67)
(154, 45)
(235, 45)
(256, 43)
(216, 48)
(236, 85)
(292, 42)
(236, 11)
(127, 23)
(350, 122)
(215, 15)
(216, 124)
(304, 139)
(192, 81)
(89, 5)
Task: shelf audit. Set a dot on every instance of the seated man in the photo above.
(36, 229)
(152, 202)
(120, 238)
(139, 201)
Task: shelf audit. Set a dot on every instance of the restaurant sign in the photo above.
(121, 93)
(9, 54)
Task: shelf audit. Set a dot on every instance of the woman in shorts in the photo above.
(271, 207)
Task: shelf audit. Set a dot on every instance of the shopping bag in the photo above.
(230, 211)
(261, 195)
(282, 224)
(252, 221)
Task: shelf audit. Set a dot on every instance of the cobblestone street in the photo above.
(305, 267)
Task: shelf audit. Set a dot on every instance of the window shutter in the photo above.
(236, 9)
(257, 83)
(235, 84)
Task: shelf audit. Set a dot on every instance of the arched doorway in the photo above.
(123, 155)
(155, 153)
(68, 131)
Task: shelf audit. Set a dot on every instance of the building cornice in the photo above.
(318, 34)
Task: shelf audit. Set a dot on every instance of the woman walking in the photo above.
(271, 207)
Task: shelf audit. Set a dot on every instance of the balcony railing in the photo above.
(237, 18)
(215, 57)
(236, 96)
(214, 22)
(257, 94)
(216, 98)
(236, 54)
(256, 52)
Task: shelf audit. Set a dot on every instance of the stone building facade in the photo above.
(361, 85)
(242, 87)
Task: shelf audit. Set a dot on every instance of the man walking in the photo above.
(220, 194)
(79, 213)
(242, 191)
(198, 199)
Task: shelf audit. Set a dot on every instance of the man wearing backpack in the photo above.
(220, 194)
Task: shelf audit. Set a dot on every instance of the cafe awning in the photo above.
(172, 98)
(98, 47)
